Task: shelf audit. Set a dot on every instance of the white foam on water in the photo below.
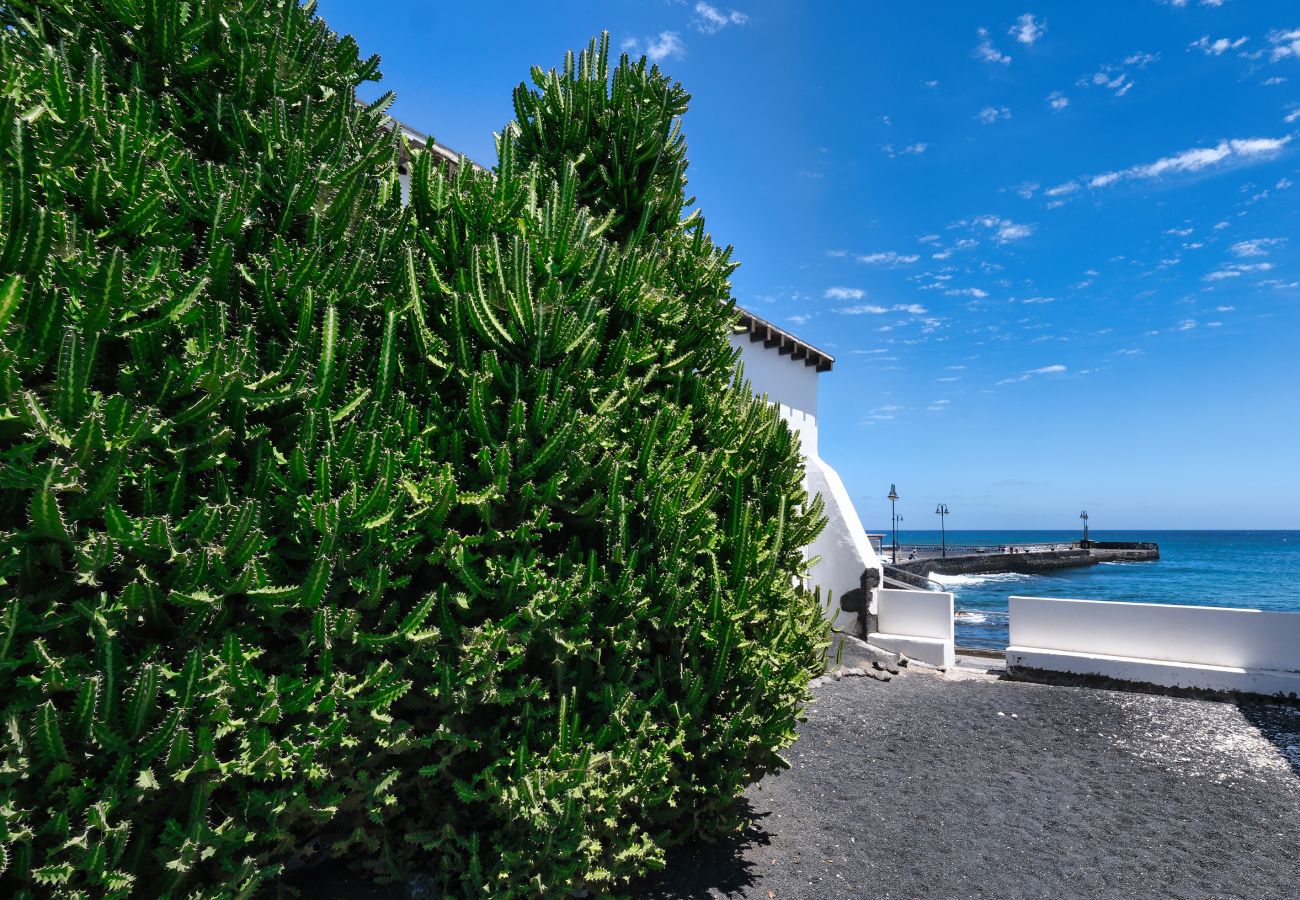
(959, 580)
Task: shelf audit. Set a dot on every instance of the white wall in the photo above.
(916, 623)
(843, 546)
(1218, 648)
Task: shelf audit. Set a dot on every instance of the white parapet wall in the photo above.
(1214, 648)
(918, 624)
(843, 548)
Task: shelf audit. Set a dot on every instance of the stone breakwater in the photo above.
(1032, 562)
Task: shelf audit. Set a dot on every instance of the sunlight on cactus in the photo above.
(434, 537)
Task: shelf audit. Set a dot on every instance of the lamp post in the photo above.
(942, 511)
(1084, 515)
(893, 516)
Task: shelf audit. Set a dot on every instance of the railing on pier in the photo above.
(974, 549)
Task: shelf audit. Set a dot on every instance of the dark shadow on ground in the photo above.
(1280, 726)
(333, 880)
(692, 871)
(696, 869)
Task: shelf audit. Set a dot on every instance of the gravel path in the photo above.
(967, 785)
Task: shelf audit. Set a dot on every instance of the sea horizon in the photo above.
(1255, 568)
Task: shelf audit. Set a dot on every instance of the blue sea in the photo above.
(1255, 569)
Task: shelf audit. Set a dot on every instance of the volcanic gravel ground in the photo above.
(968, 785)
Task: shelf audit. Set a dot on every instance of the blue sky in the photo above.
(1053, 246)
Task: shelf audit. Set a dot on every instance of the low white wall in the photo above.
(917, 623)
(1217, 648)
(844, 550)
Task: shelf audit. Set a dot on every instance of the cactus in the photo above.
(440, 537)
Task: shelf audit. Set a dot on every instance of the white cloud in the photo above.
(1025, 376)
(990, 114)
(1256, 247)
(668, 45)
(1285, 43)
(1237, 270)
(1039, 300)
(1225, 309)
(977, 293)
(1216, 47)
(910, 150)
(1004, 230)
(1240, 150)
(1292, 116)
(887, 258)
(1057, 101)
(1062, 189)
(938, 406)
(1187, 325)
(710, 20)
(868, 309)
(798, 320)
(1028, 29)
(845, 293)
(1116, 77)
(985, 51)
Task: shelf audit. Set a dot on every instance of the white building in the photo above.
(786, 369)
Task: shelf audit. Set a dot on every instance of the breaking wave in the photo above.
(969, 580)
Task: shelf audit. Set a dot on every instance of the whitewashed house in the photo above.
(785, 369)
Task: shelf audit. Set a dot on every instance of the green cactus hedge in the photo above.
(438, 536)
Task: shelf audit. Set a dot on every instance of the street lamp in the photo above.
(893, 516)
(942, 511)
(1084, 515)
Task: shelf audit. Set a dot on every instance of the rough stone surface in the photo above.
(967, 785)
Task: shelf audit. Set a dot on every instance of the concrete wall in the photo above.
(916, 623)
(1214, 648)
(843, 546)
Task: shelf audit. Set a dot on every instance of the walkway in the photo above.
(970, 786)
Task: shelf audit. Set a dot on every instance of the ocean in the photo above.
(1255, 569)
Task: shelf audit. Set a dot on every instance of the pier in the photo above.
(1022, 558)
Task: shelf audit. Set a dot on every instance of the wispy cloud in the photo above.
(845, 293)
(990, 114)
(1117, 77)
(887, 258)
(1057, 101)
(667, 45)
(1285, 43)
(1255, 247)
(868, 309)
(1237, 270)
(1004, 230)
(1028, 29)
(1025, 376)
(1216, 47)
(710, 20)
(909, 150)
(986, 52)
(1226, 152)
(977, 293)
